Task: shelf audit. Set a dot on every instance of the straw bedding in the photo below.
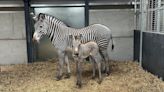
(40, 77)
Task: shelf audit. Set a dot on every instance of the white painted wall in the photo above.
(13, 49)
(121, 22)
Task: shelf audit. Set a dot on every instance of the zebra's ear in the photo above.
(41, 16)
(34, 17)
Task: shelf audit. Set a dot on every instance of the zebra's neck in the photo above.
(56, 29)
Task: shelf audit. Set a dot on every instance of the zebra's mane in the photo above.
(56, 19)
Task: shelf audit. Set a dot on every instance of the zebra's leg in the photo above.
(106, 62)
(103, 64)
(103, 45)
(97, 60)
(61, 64)
(68, 67)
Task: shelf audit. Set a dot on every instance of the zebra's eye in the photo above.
(41, 32)
(41, 26)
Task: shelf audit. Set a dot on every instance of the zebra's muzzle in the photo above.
(34, 40)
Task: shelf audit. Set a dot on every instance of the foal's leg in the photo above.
(93, 67)
(79, 75)
(68, 67)
(60, 67)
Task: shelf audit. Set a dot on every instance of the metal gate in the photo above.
(148, 41)
(151, 14)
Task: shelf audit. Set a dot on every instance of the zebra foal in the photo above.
(82, 51)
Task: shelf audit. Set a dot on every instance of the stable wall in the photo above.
(121, 23)
(13, 49)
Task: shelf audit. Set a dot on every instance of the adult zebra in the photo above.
(59, 32)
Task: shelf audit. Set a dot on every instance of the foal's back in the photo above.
(89, 48)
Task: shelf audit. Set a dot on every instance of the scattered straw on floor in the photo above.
(40, 77)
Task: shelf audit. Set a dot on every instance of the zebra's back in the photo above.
(96, 32)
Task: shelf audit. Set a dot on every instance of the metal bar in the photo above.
(155, 9)
(143, 18)
(34, 45)
(109, 3)
(86, 12)
(135, 16)
(158, 16)
(28, 31)
(135, 6)
(162, 21)
(111, 7)
(135, 2)
(140, 52)
(115, 7)
(57, 5)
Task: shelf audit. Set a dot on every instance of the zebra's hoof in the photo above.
(107, 72)
(68, 75)
(79, 84)
(99, 81)
(103, 71)
(58, 78)
(93, 77)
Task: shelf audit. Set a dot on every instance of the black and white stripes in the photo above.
(58, 33)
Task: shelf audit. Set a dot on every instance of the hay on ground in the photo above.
(40, 77)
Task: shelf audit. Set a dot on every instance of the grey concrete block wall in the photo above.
(121, 22)
(123, 50)
(13, 49)
(13, 52)
(12, 25)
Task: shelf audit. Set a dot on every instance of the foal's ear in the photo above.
(80, 36)
(70, 36)
(76, 37)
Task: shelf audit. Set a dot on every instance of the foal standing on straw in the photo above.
(82, 51)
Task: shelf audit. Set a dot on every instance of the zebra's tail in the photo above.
(112, 42)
